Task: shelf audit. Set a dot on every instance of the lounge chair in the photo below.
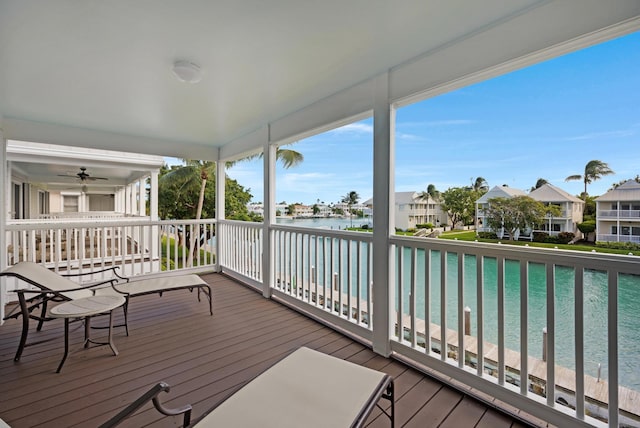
(316, 390)
(53, 287)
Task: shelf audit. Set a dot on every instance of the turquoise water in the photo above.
(595, 310)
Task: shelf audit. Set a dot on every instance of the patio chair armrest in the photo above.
(151, 395)
(114, 270)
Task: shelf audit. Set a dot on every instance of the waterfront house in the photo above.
(411, 209)
(572, 210)
(222, 80)
(483, 202)
(618, 214)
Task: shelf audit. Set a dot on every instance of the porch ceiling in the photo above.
(98, 74)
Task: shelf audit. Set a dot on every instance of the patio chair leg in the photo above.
(87, 332)
(125, 310)
(42, 315)
(66, 344)
(113, 347)
(25, 326)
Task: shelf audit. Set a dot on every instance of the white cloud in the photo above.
(354, 128)
(605, 134)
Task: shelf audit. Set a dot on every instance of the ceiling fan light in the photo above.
(84, 189)
(187, 71)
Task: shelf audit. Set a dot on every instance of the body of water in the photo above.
(336, 223)
(595, 306)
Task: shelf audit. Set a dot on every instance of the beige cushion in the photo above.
(306, 389)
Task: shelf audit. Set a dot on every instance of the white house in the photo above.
(54, 181)
(572, 209)
(411, 210)
(618, 214)
(483, 202)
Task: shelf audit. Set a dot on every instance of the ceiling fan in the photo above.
(83, 175)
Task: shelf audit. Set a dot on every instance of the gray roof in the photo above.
(500, 192)
(627, 191)
(551, 193)
(405, 198)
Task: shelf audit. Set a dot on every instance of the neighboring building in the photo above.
(572, 209)
(483, 202)
(52, 181)
(618, 214)
(411, 210)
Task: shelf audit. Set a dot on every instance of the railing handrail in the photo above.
(346, 234)
(87, 223)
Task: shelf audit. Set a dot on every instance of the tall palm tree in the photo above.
(197, 170)
(479, 184)
(541, 182)
(351, 199)
(593, 170)
(430, 194)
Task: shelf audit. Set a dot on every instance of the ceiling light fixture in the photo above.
(187, 71)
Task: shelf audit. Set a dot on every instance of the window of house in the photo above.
(43, 202)
(70, 204)
(625, 230)
(614, 230)
(635, 231)
(614, 206)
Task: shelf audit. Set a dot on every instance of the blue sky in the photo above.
(545, 121)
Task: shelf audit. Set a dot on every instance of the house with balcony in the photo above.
(483, 202)
(410, 210)
(618, 214)
(218, 82)
(571, 210)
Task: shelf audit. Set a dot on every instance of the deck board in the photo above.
(204, 358)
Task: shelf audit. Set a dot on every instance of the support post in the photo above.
(544, 344)
(221, 180)
(5, 180)
(383, 202)
(153, 214)
(269, 211)
(467, 321)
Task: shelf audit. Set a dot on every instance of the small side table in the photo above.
(86, 308)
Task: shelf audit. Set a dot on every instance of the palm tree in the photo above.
(351, 199)
(431, 193)
(593, 170)
(541, 182)
(195, 170)
(479, 185)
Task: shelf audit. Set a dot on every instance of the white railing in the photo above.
(137, 246)
(330, 271)
(502, 352)
(618, 238)
(582, 299)
(83, 215)
(630, 214)
(241, 248)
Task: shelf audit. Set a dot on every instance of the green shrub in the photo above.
(487, 235)
(540, 237)
(587, 226)
(565, 237)
(425, 226)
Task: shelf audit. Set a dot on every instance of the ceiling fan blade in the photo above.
(95, 178)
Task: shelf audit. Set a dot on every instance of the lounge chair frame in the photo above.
(117, 285)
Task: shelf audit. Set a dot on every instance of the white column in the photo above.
(5, 180)
(269, 212)
(153, 215)
(221, 177)
(383, 204)
(142, 193)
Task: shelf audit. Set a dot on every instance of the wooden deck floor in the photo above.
(204, 359)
